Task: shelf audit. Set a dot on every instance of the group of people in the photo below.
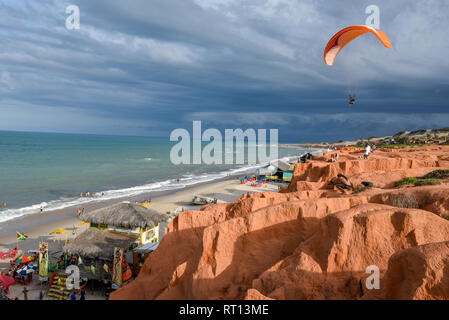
(342, 183)
(334, 157)
(64, 261)
(23, 279)
(88, 194)
(304, 158)
(82, 295)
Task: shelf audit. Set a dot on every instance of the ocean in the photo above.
(50, 170)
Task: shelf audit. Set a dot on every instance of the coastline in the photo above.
(67, 215)
(315, 236)
(227, 189)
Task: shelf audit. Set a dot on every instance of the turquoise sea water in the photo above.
(51, 170)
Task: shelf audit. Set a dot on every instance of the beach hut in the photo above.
(128, 218)
(267, 170)
(277, 170)
(99, 244)
(125, 226)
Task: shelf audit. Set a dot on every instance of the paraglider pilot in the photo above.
(351, 99)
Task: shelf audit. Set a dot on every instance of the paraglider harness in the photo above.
(351, 99)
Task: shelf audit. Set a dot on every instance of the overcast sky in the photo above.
(146, 67)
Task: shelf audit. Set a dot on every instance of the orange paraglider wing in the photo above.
(343, 37)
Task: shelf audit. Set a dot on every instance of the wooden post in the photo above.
(135, 263)
(25, 291)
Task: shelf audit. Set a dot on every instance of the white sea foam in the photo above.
(167, 185)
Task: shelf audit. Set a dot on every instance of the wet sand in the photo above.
(38, 226)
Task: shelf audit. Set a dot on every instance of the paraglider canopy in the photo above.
(343, 37)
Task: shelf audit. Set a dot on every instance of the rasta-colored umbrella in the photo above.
(22, 259)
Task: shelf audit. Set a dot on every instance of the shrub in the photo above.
(437, 174)
(427, 182)
(424, 181)
(359, 189)
(404, 201)
(411, 180)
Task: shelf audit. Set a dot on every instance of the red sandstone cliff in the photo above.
(310, 241)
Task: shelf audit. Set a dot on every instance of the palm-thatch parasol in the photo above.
(126, 215)
(96, 243)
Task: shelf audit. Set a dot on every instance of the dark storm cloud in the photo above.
(147, 67)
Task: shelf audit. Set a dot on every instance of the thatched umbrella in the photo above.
(100, 244)
(127, 215)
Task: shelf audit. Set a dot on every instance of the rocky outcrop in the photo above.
(332, 263)
(420, 272)
(311, 241)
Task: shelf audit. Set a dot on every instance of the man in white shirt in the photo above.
(367, 151)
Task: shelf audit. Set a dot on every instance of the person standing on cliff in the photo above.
(367, 151)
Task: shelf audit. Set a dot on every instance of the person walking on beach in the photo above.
(42, 210)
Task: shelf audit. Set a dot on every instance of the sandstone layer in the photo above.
(311, 241)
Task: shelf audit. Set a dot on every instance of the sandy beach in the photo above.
(39, 226)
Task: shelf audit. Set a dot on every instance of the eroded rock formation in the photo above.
(310, 241)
